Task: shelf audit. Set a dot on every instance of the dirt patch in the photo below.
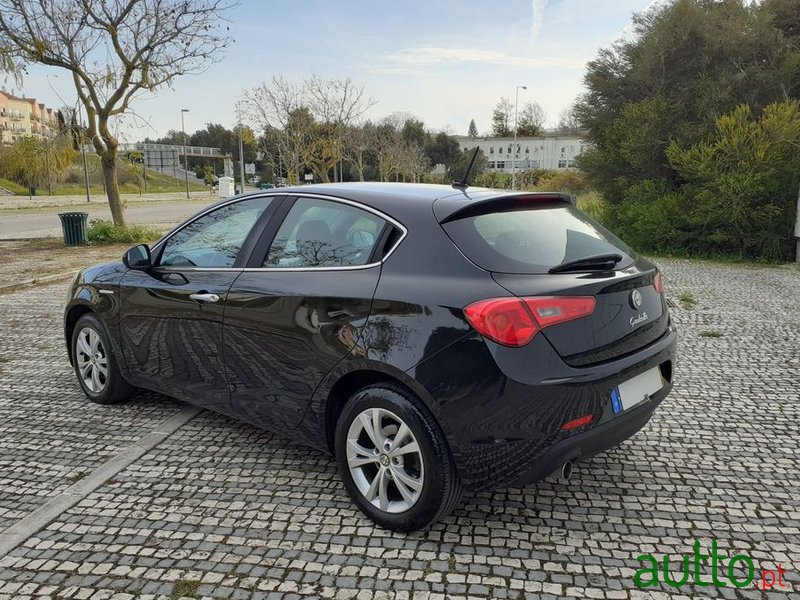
(37, 261)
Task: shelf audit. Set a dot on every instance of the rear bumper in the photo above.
(506, 430)
(585, 445)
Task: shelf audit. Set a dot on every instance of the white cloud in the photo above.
(536, 18)
(424, 56)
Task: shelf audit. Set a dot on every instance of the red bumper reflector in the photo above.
(579, 422)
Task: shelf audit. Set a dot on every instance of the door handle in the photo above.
(202, 297)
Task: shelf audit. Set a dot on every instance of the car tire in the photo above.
(95, 364)
(409, 482)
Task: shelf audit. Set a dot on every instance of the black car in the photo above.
(432, 338)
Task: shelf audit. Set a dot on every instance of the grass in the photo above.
(185, 588)
(13, 187)
(104, 233)
(157, 183)
(711, 334)
(129, 183)
(687, 300)
(592, 203)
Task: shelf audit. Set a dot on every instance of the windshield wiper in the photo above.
(597, 262)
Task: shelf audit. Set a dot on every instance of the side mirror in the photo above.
(138, 258)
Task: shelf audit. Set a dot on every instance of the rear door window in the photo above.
(324, 233)
(533, 239)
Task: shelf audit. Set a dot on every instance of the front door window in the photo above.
(213, 240)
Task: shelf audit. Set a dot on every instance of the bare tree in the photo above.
(337, 101)
(277, 110)
(503, 118)
(568, 120)
(357, 145)
(385, 144)
(114, 49)
(9, 66)
(414, 162)
(336, 104)
(332, 104)
(531, 119)
(397, 157)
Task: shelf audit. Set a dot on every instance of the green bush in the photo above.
(652, 219)
(528, 180)
(105, 232)
(734, 194)
(570, 181)
(593, 204)
(743, 182)
(493, 179)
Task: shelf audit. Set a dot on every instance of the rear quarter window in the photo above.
(533, 239)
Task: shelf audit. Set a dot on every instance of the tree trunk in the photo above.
(109, 162)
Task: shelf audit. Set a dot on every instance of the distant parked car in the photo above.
(432, 339)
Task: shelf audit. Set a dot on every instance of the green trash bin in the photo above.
(74, 226)
(33, 191)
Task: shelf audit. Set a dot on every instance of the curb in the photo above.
(28, 239)
(57, 278)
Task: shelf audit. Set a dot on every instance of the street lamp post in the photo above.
(514, 150)
(241, 159)
(241, 147)
(185, 156)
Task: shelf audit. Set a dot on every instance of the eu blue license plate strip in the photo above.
(616, 403)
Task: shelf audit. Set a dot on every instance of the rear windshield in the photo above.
(533, 239)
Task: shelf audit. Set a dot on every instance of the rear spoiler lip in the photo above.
(480, 206)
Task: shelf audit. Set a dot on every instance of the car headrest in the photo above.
(312, 231)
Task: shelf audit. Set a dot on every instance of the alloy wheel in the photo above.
(385, 460)
(92, 361)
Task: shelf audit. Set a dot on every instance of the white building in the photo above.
(550, 150)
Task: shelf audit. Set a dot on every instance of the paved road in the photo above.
(220, 509)
(48, 224)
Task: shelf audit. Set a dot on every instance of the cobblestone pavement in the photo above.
(222, 510)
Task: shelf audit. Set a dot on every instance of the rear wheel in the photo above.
(95, 364)
(393, 459)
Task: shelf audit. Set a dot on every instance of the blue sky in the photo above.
(445, 61)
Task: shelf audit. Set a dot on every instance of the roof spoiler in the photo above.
(507, 202)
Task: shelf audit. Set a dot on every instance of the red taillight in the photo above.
(579, 422)
(658, 284)
(503, 320)
(514, 321)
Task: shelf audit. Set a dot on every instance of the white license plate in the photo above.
(638, 389)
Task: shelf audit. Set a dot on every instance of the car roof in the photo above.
(408, 201)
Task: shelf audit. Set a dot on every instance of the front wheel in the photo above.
(393, 459)
(95, 364)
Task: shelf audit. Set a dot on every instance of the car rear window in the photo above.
(533, 239)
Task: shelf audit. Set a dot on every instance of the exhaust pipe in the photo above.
(566, 470)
